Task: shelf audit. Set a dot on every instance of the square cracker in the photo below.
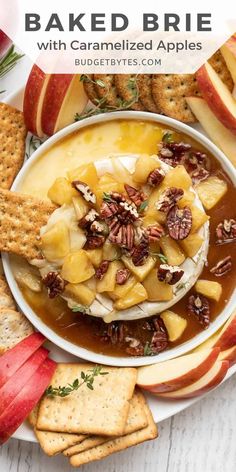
(102, 411)
(14, 327)
(12, 144)
(136, 420)
(117, 444)
(21, 217)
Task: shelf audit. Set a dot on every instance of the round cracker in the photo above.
(145, 92)
(169, 92)
(90, 89)
(127, 88)
(108, 91)
(219, 65)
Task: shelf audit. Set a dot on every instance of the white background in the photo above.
(200, 439)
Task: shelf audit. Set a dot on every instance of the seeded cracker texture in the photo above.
(90, 89)
(137, 419)
(12, 144)
(144, 82)
(118, 444)
(21, 217)
(101, 411)
(108, 93)
(53, 443)
(13, 328)
(126, 86)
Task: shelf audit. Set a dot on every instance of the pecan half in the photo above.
(102, 269)
(222, 267)
(108, 210)
(128, 212)
(169, 198)
(196, 160)
(141, 252)
(116, 332)
(136, 196)
(173, 153)
(54, 283)
(89, 218)
(159, 340)
(169, 274)
(226, 231)
(155, 177)
(200, 308)
(179, 222)
(199, 175)
(85, 191)
(122, 235)
(94, 241)
(155, 232)
(99, 227)
(122, 276)
(135, 347)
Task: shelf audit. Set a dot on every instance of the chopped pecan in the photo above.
(122, 235)
(117, 196)
(136, 196)
(128, 212)
(169, 274)
(102, 269)
(94, 241)
(169, 198)
(200, 308)
(226, 231)
(199, 175)
(173, 153)
(222, 267)
(54, 283)
(108, 210)
(155, 177)
(196, 160)
(85, 191)
(99, 227)
(141, 252)
(155, 232)
(159, 340)
(122, 276)
(179, 222)
(89, 218)
(135, 347)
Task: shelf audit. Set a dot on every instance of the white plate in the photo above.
(161, 409)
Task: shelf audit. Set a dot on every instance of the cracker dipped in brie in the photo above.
(129, 239)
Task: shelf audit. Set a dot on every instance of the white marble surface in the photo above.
(201, 438)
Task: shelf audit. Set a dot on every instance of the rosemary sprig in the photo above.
(148, 350)
(87, 379)
(81, 309)
(167, 137)
(161, 256)
(9, 61)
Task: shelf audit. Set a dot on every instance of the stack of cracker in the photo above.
(89, 425)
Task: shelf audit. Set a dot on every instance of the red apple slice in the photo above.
(176, 373)
(217, 96)
(33, 100)
(26, 400)
(64, 98)
(224, 338)
(228, 51)
(219, 134)
(5, 43)
(17, 381)
(210, 380)
(228, 355)
(13, 359)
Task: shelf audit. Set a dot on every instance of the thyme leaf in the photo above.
(167, 137)
(85, 378)
(143, 206)
(107, 198)
(148, 350)
(161, 256)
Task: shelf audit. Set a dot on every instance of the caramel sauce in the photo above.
(97, 142)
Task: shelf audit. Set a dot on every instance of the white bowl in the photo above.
(49, 333)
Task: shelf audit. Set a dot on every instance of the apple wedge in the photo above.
(176, 373)
(219, 134)
(33, 100)
(228, 355)
(210, 380)
(5, 43)
(65, 96)
(217, 96)
(224, 338)
(26, 400)
(17, 381)
(228, 51)
(14, 358)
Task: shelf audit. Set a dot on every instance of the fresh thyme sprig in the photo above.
(99, 108)
(161, 256)
(87, 379)
(81, 309)
(148, 350)
(9, 61)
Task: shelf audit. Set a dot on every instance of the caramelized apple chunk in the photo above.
(61, 192)
(191, 244)
(157, 291)
(211, 191)
(140, 271)
(108, 282)
(136, 295)
(80, 293)
(174, 324)
(86, 173)
(178, 178)
(209, 289)
(144, 166)
(172, 251)
(77, 267)
(56, 242)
